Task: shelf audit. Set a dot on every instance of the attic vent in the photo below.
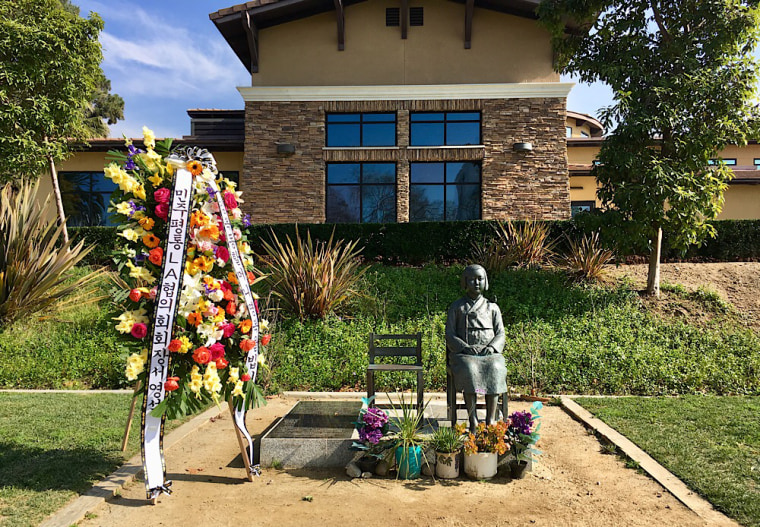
(392, 17)
(416, 17)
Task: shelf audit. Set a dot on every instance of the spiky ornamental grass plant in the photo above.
(34, 259)
(313, 279)
(586, 258)
(525, 245)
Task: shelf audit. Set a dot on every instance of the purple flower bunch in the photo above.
(374, 422)
(522, 422)
(131, 165)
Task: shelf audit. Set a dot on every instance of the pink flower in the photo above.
(236, 214)
(162, 210)
(162, 195)
(217, 351)
(236, 232)
(139, 330)
(223, 254)
(228, 330)
(153, 291)
(229, 200)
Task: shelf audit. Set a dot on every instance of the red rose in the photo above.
(229, 200)
(156, 256)
(228, 330)
(221, 363)
(202, 355)
(265, 339)
(217, 351)
(245, 377)
(223, 254)
(175, 345)
(162, 210)
(135, 295)
(139, 330)
(247, 345)
(162, 195)
(171, 384)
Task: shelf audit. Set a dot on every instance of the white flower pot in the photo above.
(447, 465)
(482, 465)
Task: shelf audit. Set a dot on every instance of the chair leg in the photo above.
(420, 392)
(371, 386)
(504, 406)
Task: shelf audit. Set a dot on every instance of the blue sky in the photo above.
(164, 57)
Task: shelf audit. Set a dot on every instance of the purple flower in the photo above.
(211, 192)
(522, 422)
(371, 435)
(247, 220)
(133, 150)
(130, 165)
(375, 417)
(139, 258)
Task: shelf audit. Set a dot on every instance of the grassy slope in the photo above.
(711, 443)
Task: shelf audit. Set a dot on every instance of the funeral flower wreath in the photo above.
(211, 334)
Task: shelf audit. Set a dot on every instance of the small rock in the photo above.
(366, 475)
(598, 482)
(427, 469)
(353, 471)
(381, 469)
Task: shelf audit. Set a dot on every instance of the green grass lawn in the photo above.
(54, 446)
(711, 443)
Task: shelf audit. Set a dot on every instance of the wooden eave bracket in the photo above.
(404, 18)
(341, 18)
(469, 10)
(252, 35)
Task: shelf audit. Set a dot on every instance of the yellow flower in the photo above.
(117, 174)
(203, 305)
(191, 268)
(124, 208)
(238, 389)
(234, 375)
(263, 325)
(155, 180)
(139, 192)
(211, 380)
(196, 381)
(140, 273)
(130, 235)
(149, 137)
(185, 344)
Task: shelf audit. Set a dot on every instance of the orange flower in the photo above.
(245, 326)
(202, 355)
(231, 308)
(195, 167)
(147, 223)
(195, 319)
(209, 231)
(251, 277)
(156, 256)
(231, 278)
(175, 345)
(247, 345)
(265, 339)
(198, 219)
(204, 264)
(150, 240)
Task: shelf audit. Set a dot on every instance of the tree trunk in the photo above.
(653, 277)
(58, 200)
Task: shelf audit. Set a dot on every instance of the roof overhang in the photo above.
(240, 24)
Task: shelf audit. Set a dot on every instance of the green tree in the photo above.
(684, 80)
(50, 77)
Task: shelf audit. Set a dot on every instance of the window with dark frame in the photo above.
(444, 128)
(360, 129)
(416, 16)
(392, 17)
(361, 193)
(726, 161)
(447, 191)
(86, 196)
(577, 207)
(756, 161)
(568, 131)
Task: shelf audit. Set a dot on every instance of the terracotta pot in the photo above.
(447, 465)
(482, 465)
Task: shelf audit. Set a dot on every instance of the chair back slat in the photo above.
(397, 350)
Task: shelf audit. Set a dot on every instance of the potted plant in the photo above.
(522, 434)
(408, 424)
(372, 426)
(447, 442)
(483, 448)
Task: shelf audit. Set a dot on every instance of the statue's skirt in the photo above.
(479, 373)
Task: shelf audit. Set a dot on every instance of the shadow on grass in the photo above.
(40, 469)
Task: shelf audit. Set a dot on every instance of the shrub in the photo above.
(586, 258)
(33, 259)
(526, 244)
(313, 279)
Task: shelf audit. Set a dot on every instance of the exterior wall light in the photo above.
(286, 148)
(523, 147)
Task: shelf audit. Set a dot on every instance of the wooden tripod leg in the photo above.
(130, 417)
(241, 442)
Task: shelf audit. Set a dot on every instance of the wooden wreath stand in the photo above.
(241, 442)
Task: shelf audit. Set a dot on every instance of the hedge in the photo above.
(418, 243)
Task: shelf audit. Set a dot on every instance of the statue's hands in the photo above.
(469, 350)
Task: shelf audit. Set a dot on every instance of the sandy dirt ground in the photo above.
(736, 282)
(574, 484)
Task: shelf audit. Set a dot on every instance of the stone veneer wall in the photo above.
(515, 185)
